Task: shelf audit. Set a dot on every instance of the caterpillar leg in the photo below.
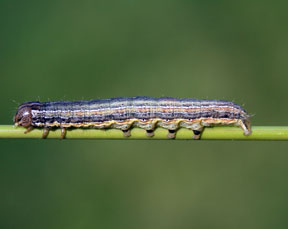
(171, 134)
(45, 133)
(63, 133)
(245, 125)
(150, 133)
(197, 134)
(126, 133)
(28, 129)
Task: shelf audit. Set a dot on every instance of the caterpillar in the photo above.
(126, 112)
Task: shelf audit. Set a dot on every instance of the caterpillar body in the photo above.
(126, 112)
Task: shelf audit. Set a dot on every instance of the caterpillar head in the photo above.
(23, 115)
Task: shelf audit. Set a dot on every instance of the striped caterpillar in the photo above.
(126, 112)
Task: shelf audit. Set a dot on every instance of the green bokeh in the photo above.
(64, 50)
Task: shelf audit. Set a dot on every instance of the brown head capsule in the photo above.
(23, 115)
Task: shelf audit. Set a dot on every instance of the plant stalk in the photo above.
(209, 133)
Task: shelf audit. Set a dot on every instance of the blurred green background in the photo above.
(65, 50)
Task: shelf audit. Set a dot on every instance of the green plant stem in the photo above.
(209, 133)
